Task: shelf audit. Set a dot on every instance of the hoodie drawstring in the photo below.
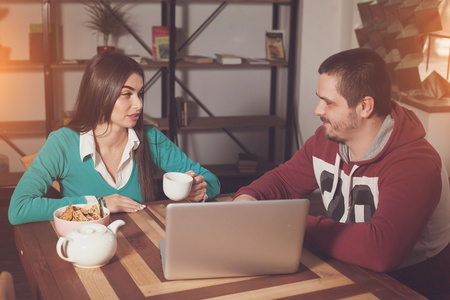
(351, 204)
(337, 162)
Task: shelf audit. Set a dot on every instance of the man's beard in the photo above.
(333, 133)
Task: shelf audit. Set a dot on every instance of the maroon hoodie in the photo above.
(387, 211)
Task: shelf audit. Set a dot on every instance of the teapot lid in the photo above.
(90, 229)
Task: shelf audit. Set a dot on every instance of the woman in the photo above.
(105, 151)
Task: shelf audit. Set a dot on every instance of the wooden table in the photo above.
(135, 272)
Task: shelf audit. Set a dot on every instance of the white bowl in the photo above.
(63, 227)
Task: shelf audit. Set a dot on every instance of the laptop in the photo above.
(230, 239)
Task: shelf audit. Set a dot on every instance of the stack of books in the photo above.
(181, 111)
(198, 59)
(247, 163)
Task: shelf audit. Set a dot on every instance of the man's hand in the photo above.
(244, 197)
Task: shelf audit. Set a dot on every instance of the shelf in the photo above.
(231, 170)
(239, 1)
(214, 123)
(22, 128)
(21, 65)
(156, 1)
(78, 1)
(231, 179)
(81, 64)
(32, 128)
(20, 1)
(160, 123)
(427, 104)
(181, 1)
(230, 122)
(184, 64)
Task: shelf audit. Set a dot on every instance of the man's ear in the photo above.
(367, 107)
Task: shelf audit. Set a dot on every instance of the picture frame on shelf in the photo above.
(160, 43)
(275, 45)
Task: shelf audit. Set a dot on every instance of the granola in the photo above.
(80, 214)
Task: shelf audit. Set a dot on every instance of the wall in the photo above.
(325, 27)
(332, 22)
(435, 124)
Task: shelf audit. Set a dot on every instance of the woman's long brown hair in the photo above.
(100, 87)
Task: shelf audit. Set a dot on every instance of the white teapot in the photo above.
(89, 245)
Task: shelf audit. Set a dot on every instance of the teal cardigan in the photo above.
(59, 159)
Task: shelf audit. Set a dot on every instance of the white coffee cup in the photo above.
(177, 186)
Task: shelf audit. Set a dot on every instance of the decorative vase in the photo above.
(101, 49)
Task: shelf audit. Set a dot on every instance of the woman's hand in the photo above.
(117, 203)
(198, 190)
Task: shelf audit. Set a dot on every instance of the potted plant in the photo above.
(104, 20)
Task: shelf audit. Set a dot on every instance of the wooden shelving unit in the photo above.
(167, 122)
(240, 122)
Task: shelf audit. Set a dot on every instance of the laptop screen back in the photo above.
(227, 239)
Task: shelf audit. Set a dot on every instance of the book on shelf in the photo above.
(198, 59)
(160, 43)
(257, 61)
(182, 111)
(228, 59)
(138, 58)
(36, 40)
(275, 45)
(247, 163)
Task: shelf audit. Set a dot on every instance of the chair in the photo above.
(28, 159)
(6, 286)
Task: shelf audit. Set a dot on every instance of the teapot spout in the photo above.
(115, 225)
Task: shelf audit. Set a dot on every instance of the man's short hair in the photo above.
(360, 73)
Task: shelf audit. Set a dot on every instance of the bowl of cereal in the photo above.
(68, 217)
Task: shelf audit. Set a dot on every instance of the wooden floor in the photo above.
(9, 258)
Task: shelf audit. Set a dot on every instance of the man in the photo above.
(385, 188)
